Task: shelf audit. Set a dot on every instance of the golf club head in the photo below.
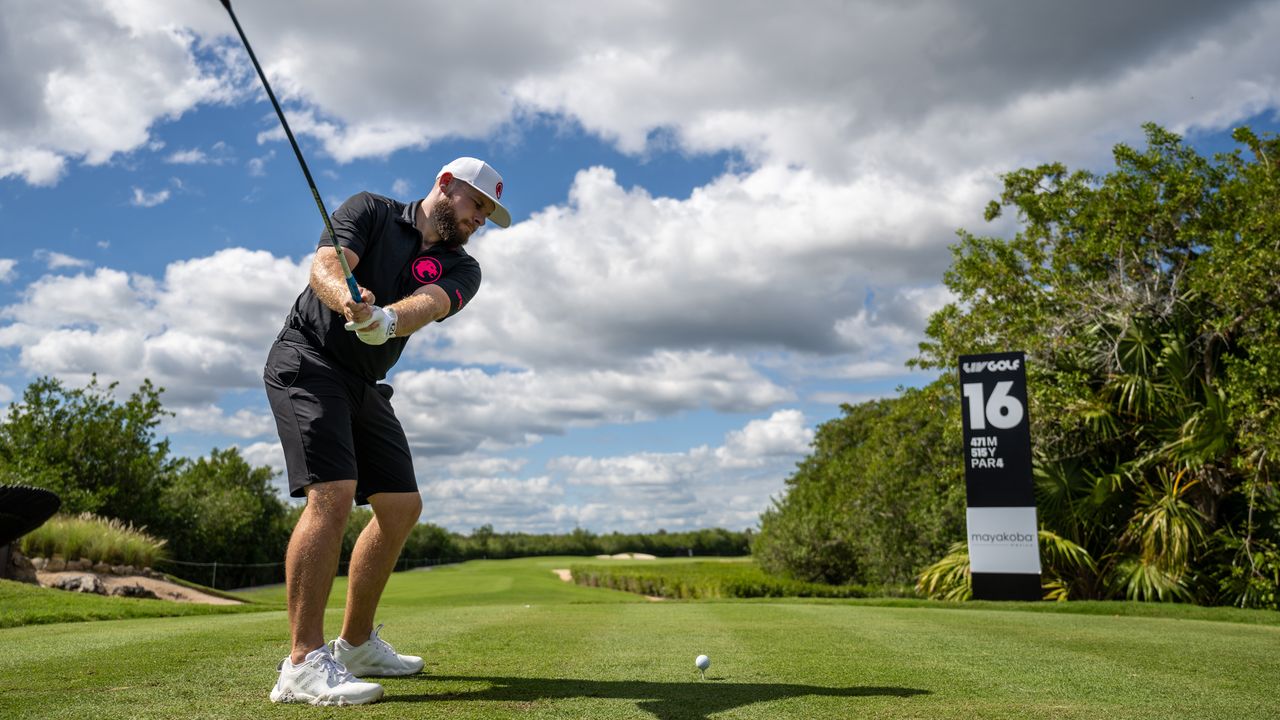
(23, 509)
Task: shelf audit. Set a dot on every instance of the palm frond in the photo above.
(1164, 525)
(1139, 579)
(948, 578)
(1064, 564)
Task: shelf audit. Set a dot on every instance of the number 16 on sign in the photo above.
(1001, 410)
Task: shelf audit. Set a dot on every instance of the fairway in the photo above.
(508, 639)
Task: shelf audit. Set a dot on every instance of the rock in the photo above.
(79, 565)
(134, 591)
(85, 583)
(55, 564)
(123, 570)
(20, 568)
(102, 568)
(39, 563)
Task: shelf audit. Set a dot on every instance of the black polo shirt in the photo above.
(381, 233)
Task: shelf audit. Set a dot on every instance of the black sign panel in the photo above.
(1006, 586)
(997, 431)
(1004, 553)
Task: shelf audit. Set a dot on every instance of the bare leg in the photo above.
(312, 561)
(374, 557)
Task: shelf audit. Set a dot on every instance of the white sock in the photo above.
(311, 656)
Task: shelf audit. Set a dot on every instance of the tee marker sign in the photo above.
(1004, 548)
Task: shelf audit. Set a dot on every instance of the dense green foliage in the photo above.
(1148, 301)
(220, 508)
(98, 455)
(879, 497)
(703, 580)
(88, 537)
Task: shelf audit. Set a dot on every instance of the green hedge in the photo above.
(705, 579)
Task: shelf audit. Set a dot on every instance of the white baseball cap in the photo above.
(481, 176)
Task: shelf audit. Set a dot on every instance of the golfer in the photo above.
(342, 441)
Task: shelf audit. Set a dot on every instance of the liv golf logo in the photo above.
(1004, 553)
(993, 365)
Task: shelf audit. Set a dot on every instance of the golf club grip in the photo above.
(333, 237)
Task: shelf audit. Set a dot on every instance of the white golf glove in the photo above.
(353, 326)
(386, 329)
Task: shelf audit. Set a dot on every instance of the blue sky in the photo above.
(713, 245)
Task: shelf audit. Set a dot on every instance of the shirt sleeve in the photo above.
(352, 224)
(461, 283)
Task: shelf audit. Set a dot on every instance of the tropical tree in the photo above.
(1146, 300)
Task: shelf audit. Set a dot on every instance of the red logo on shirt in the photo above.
(427, 270)
(498, 191)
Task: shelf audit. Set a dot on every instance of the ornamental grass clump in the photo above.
(96, 539)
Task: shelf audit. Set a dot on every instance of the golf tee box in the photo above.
(1004, 548)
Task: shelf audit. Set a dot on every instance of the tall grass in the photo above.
(88, 537)
(699, 580)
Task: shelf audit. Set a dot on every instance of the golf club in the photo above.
(342, 258)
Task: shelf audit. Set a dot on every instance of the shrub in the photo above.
(88, 537)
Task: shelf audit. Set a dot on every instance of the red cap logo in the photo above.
(498, 191)
(427, 270)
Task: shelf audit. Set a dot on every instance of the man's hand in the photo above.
(380, 327)
(358, 315)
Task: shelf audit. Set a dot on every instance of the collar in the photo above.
(410, 212)
(408, 217)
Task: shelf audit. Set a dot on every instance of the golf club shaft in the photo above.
(342, 257)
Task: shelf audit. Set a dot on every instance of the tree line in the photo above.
(103, 456)
(1147, 300)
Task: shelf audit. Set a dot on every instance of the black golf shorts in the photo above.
(334, 426)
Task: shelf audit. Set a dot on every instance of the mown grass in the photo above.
(507, 639)
(23, 604)
(88, 537)
(703, 579)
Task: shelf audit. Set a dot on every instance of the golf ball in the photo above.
(703, 662)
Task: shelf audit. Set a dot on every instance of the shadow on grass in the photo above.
(666, 701)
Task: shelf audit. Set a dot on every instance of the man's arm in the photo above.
(426, 305)
(330, 285)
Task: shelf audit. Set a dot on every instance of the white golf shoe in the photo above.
(322, 680)
(375, 658)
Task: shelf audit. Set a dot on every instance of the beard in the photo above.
(446, 223)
